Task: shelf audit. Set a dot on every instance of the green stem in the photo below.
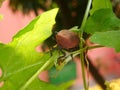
(94, 47)
(75, 53)
(86, 14)
(81, 43)
(36, 74)
(83, 71)
(86, 48)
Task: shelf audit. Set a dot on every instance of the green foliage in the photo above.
(21, 63)
(75, 29)
(39, 85)
(103, 25)
(19, 60)
(40, 27)
(109, 38)
(100, 4)
(18, 69)
(102, 20)
(66, 74)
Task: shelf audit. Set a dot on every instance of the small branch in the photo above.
(94, 47)
(84, 49)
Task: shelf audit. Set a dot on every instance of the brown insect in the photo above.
(67, 39)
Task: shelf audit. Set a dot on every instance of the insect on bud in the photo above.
(67, 39)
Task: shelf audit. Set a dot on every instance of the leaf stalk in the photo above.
(82, 54)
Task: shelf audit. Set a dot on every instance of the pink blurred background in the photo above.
(105, 59)
(12, 22)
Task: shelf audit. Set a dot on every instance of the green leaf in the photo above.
(19, 60)
(46, 86)
(66, 74)
(67, 85)
(102, 20)
(37, 31)
(39, 85)
(100, 4)
(109, 38)
(75, 29)
(16, 71)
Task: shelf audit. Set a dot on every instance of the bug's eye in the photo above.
(67, 39)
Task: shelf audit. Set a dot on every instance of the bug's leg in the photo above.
(61, 58)
(51, 50)
(61, 51)
(71, 56)
(46, 48)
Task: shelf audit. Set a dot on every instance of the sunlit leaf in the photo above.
(37, 31)
(19, 60)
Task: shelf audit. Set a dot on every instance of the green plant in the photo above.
(21, 63)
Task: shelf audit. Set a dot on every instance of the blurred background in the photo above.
(104, 62)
